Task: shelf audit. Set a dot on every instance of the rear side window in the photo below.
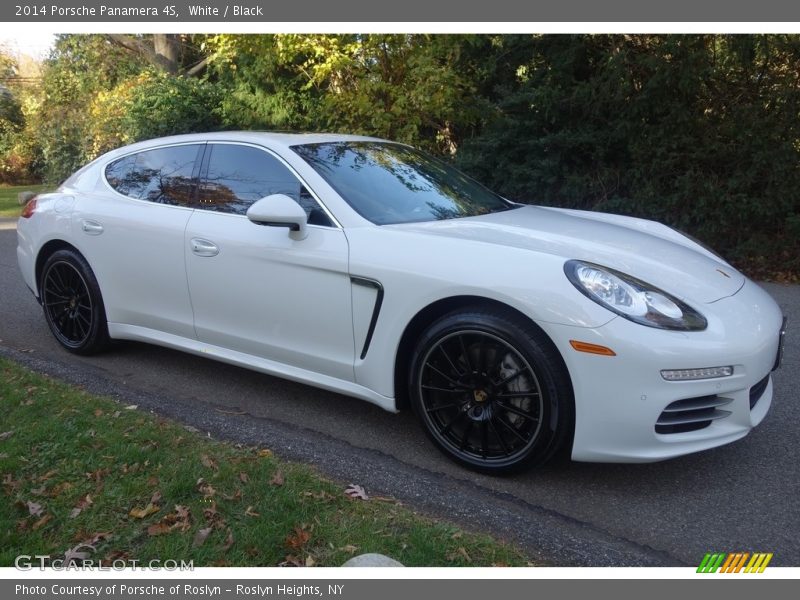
(237, 176)
(161, 175)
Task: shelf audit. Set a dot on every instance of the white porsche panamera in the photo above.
(368, 268)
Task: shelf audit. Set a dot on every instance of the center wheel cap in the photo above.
(480, 395)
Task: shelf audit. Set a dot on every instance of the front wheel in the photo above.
(491, 391)
(73, 306)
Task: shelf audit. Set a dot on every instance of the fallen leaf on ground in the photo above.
(298, 538)
(310, 562)
(158, 529)
(82, 505)
(41, 522)
(182, 512)
(156, 497)
(228, 541)
(251, 513)
(205, 488)
(462, 552)
(356, 492)
(142, 513)
(277, 478)
(12, 484)
(78, 554)
(264, 453)
(321, 495)
(209, 462)
(98, 412)
(5, 435)
(48, 475)
(290, 561)
(34, 508)
(237, 495)
(152, 481)
(131, 407)
(60, 489)
(244, 477)
(349, 548)
(201, 536)
(40, 491)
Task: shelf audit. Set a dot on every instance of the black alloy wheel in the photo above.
(72, 303)
(491, 391)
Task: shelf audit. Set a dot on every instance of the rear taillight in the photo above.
(29, 208)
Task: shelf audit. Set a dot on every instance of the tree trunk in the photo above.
(168, 46)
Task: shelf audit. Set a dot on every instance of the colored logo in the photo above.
(735, 562)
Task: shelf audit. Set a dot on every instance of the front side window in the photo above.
(161, 175)
(390, 183)
(238, 175)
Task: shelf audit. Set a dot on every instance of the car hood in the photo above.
(644, 249)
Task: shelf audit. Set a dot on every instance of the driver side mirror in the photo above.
(279, 210)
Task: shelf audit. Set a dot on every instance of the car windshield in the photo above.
(390, 183)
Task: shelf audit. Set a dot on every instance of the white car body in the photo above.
(300, 309)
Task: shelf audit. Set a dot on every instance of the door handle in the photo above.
(90, 227)
(203, 247)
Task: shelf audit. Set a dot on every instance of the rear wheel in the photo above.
(491, 391)
(73, 306)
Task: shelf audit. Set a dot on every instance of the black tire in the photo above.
(491, 391)
(72, 303)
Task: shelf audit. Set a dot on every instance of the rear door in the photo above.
(133, 237)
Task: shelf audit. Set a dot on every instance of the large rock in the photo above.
(372, 560)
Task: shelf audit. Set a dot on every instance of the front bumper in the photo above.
(619, 399)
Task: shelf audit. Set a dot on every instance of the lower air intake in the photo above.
(757, 391)
(692, 414)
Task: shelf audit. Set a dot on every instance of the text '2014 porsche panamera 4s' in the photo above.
(371, 269)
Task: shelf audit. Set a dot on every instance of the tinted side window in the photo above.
(239, 175)
(162, 175)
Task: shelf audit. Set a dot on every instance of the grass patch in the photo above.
(9, 206)
(77, 468)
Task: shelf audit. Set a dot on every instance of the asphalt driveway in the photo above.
(740, 497)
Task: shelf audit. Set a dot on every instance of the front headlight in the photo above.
(633, 299)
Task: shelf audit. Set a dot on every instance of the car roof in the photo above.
(268, 138)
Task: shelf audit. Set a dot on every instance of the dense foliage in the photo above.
(701, 132)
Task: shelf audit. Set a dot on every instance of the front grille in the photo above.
(691, 414)
(757, 391)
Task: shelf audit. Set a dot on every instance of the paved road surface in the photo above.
(740, 497)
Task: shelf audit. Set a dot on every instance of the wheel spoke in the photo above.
(56, 302)
(442, 407)
(509, 395)
(499, 437)
(465, 437)
(456, 370)
(481, 358)
(449, 379)
(433, 388)
(79, 327)
(517, 411)
(484, 438)
(514, 375)
(513, 430)
(452, 422)
(60, 283)
(464, 353)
